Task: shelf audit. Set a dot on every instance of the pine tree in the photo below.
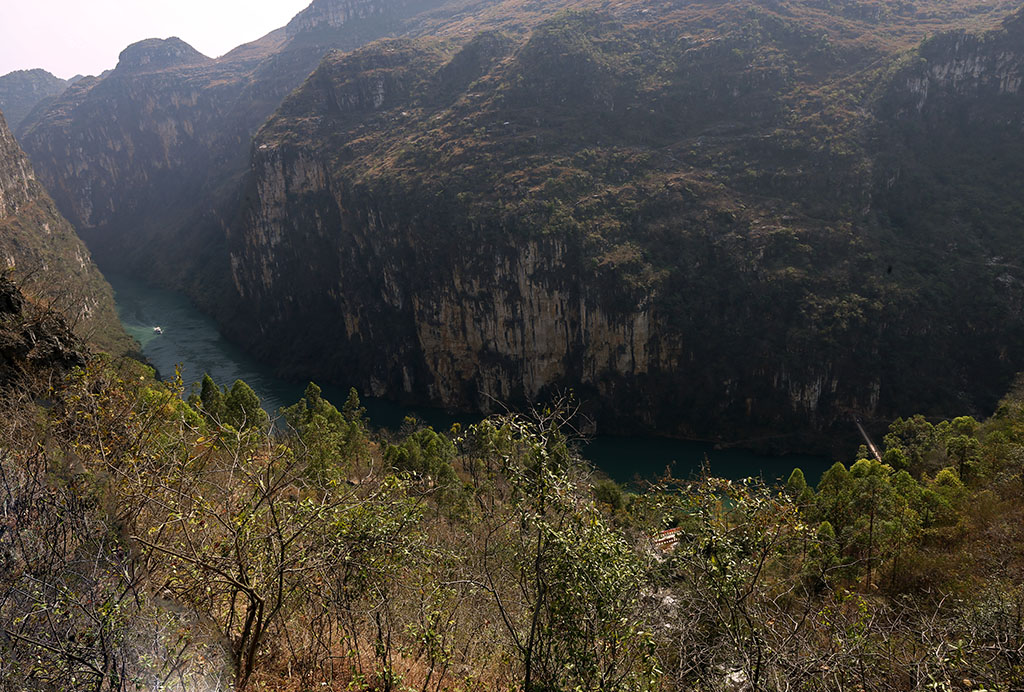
(211, 399)
(242, 408)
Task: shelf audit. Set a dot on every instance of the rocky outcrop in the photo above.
(39, 246)
(132, 157)
(473, 306)
(958, 67)
(36, 347)
(334, 14)
(950, 151)
(16, 176)
(22, 90)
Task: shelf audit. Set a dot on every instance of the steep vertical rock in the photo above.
(365, 258)
(736, 269)
(35, 346)
(40, 247)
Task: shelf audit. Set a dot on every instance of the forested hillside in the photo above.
(153, 542)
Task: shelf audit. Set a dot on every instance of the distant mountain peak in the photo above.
(37, 72)
(22, 90)
(158, 54)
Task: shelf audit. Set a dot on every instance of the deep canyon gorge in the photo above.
(714, 220)
(517, 345)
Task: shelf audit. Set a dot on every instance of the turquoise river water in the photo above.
(192, 341)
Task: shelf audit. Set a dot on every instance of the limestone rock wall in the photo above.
(746, 307)
(16, 174)
(40, 248)
(347, 285)
(333, 14)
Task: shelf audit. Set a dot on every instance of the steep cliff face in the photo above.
(681, 236)
(954, 118)
(459, 283)
(22, 90)
(16, 175)
(128, 156)
(39, 246)
(948, 176)
(145, 160)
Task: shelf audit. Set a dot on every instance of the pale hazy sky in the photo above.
(69, 37)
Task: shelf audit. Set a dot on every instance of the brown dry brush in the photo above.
(75, 613)
(745, 598)
(144, 544)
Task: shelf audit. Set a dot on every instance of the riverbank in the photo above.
(192, 342)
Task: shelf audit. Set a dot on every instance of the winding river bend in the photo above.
(192, 341)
